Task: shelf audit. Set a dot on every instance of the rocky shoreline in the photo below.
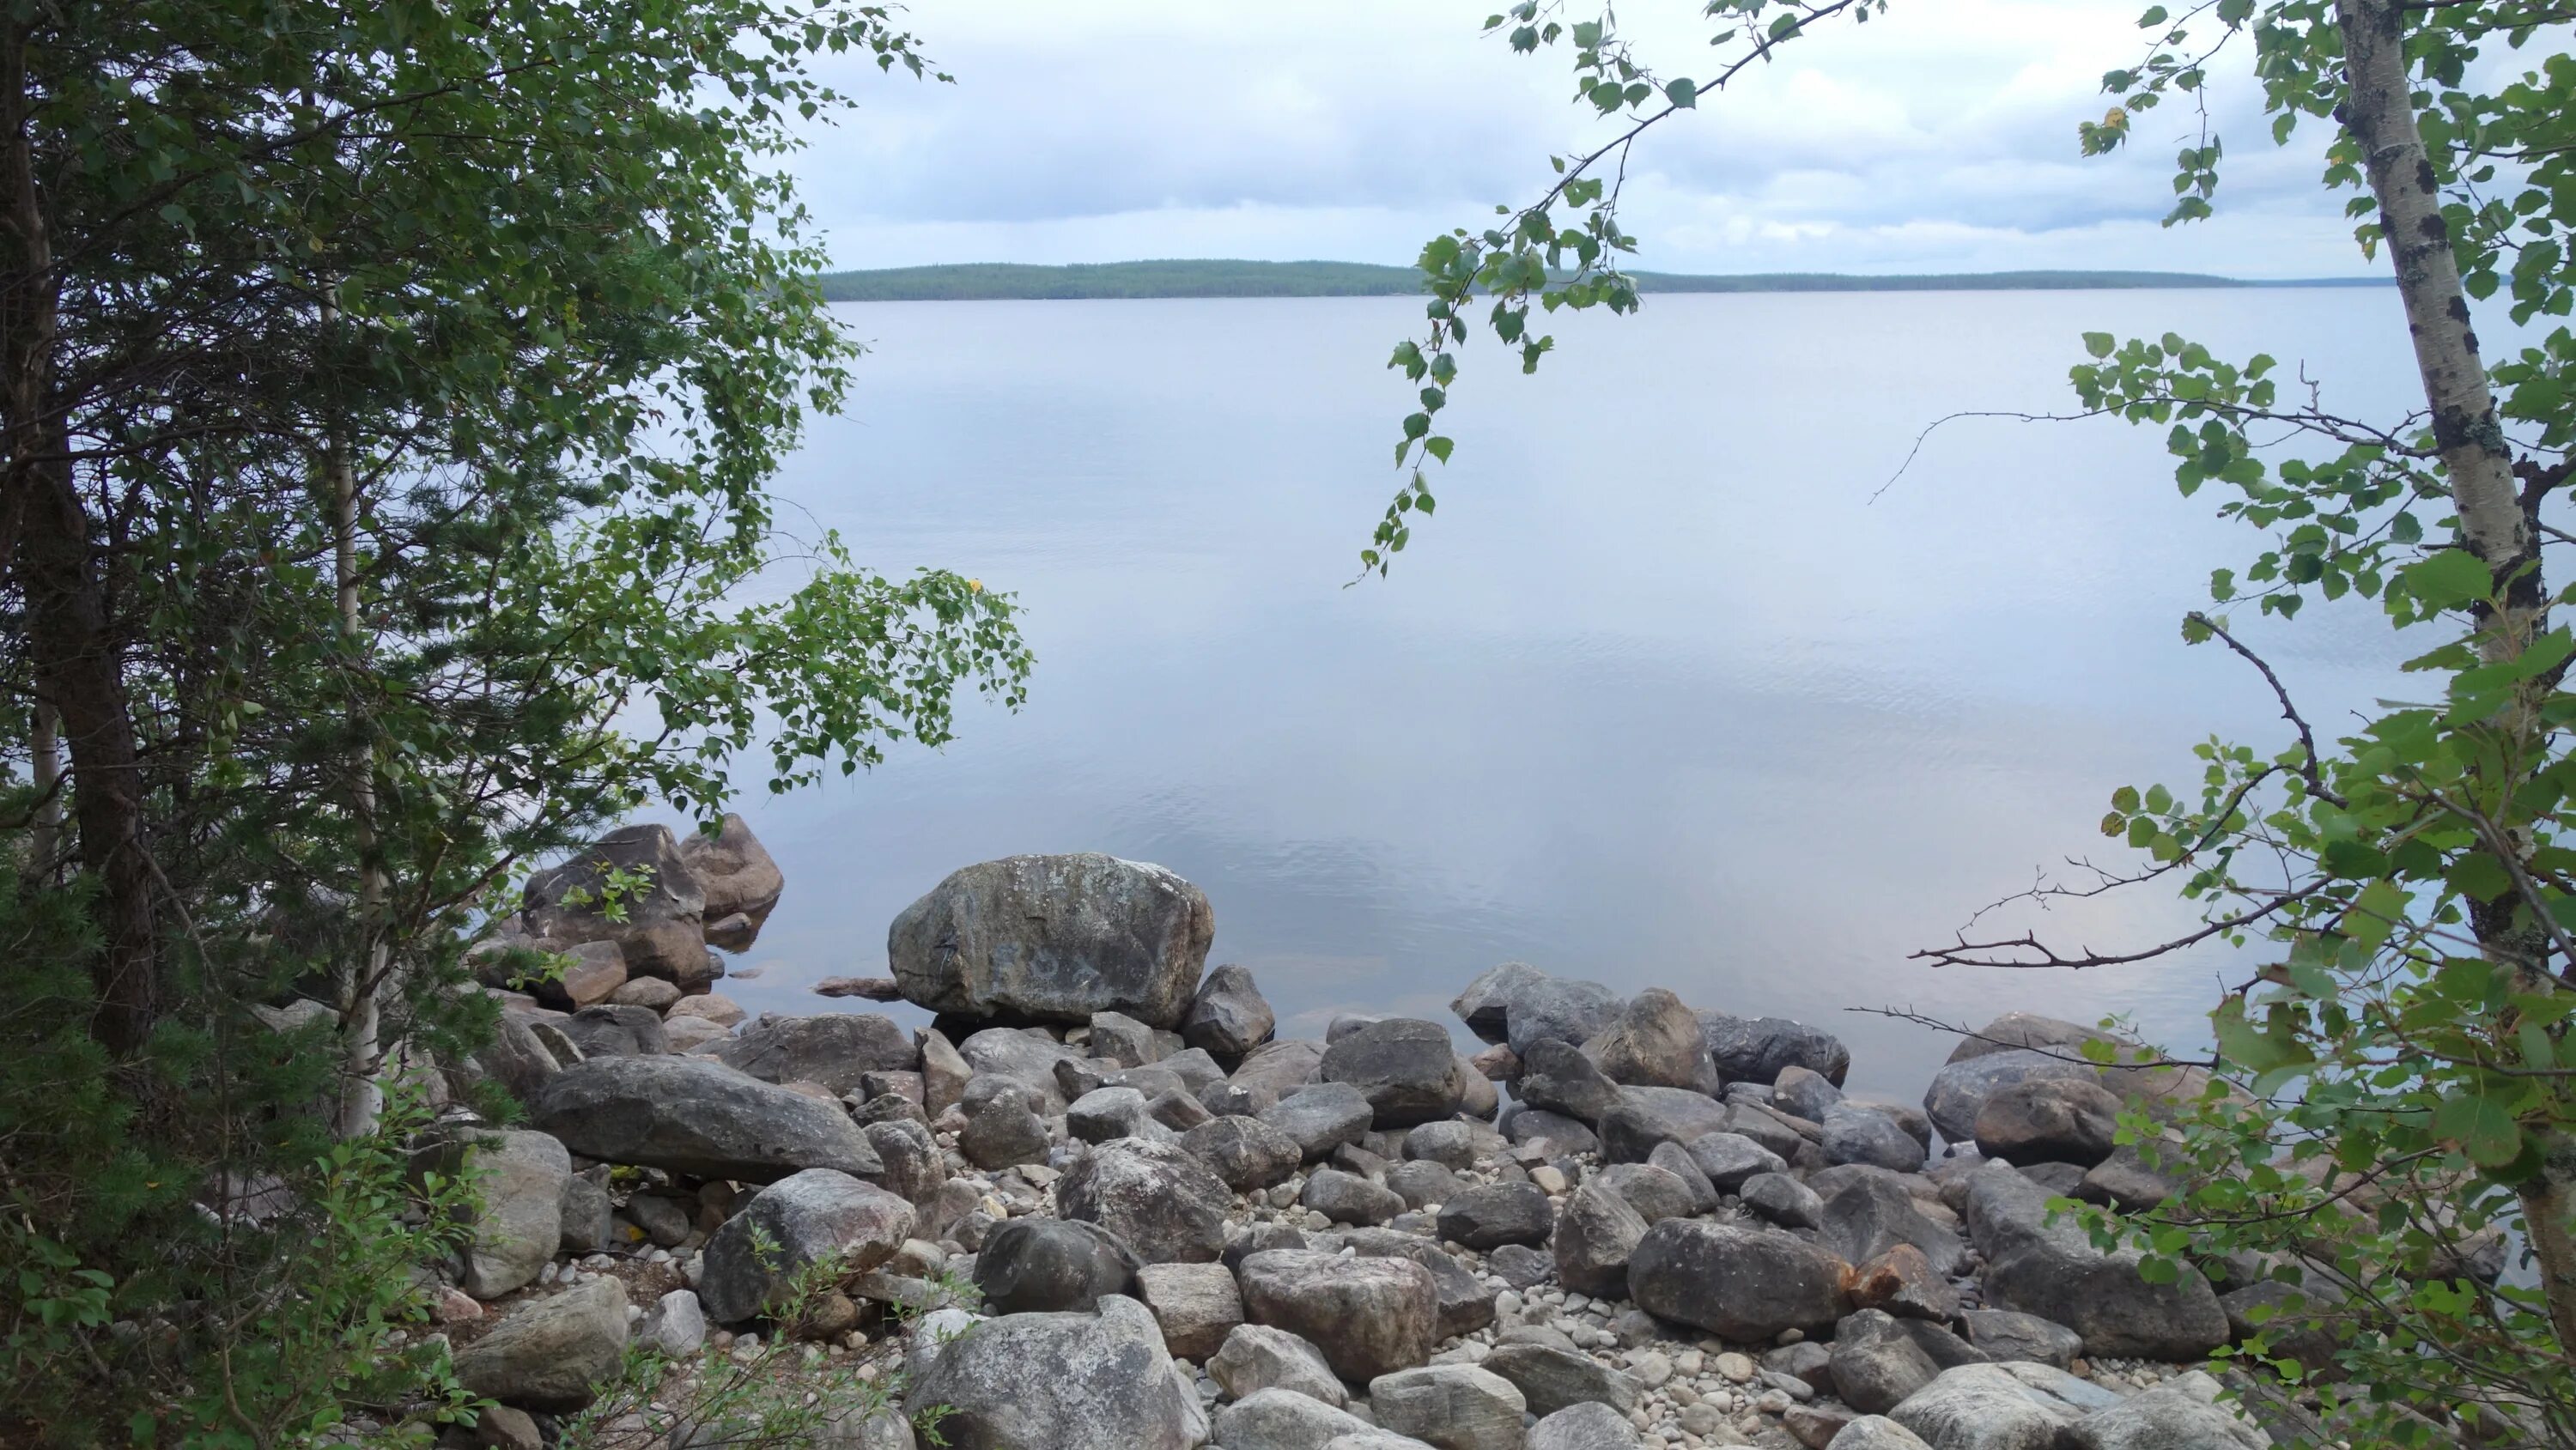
(1623, 1224)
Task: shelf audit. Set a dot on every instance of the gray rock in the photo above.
(1100, 1381)
(2125, 1182)
(588, 1219)
(1404, 1067)
(1279, 1068)
(1982, 1407)
(1594, 1238)
(1755, 1049)
(1522, 1267)
(734, 870)
(2052, 1270)
(607, 1029)
(1486, 1004)
(1047, 1266)
(1736, 1283)
(1228, 1017)
(1551, 1379)
(1856, 1134)
(1178, 1110)
(1196, 1070)
(1450, 1144)
(806, 1217)
(1282, 1419)
(944, 1072)
(1478, 1098)
(1492, 1215)
(1346, 1023)
(1452, 1406)
(2030, 1030)
(914, 1170)
(663, 1220)
(1028, 1058)
(831, 1048)
(1054, 938)
(1868, 1211)
(548, 1354)
(1805, 1092)
(1646, 1116)
(1731, 1159)
(1349, 1198)
(1775, 1131)
(660, 925)
(1108, 1113)
(1558, 1076)
(1960, 1089)
(675, 1327)
(2049, 1120)
(1462, 1303)
(1654, 1193)
(2166, 1418)
(1676, 1160)
(1875, 1365)
(1196, 1305)
(1875, 1432)
(1368, 1316)
(1002, 1136)
(1559, 1008)
(1321, 1118)
(1655, 1042)
(1121, 1039)
(1257, 1357)
(514, 1057)
(526, 1176)
(1245, 1153)
(2002, 1334)
(1590, 1425)
(1784, 1200)
(1159, 1200)
(698, 1117)
(1551, 1135)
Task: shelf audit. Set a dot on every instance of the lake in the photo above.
(1667, 694)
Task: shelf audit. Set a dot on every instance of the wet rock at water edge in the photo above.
(657, 917)
(1404, 1067)
(1054, 938)
(1486, 1004)
(1228, 1017)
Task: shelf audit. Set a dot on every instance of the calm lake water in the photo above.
(1661, 697)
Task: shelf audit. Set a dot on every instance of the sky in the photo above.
(1937, 138)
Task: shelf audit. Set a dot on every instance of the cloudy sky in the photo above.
(1938, 138)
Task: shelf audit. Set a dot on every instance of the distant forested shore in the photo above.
(996, 281)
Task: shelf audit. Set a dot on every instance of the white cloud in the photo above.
(1938, 138)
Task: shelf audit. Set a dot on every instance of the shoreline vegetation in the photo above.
(1011, 281)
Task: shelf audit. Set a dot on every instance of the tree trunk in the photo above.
(78, 665)
(362, 1097)
(2494, 524)
(45, 774)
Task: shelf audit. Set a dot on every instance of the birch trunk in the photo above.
(362, 1096)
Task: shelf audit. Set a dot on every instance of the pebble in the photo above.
(1735, 1367)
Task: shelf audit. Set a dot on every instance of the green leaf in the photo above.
(2099, 344)
(2272, 1047)
(2448, 579)
(2483, 1128)
(1683, 93)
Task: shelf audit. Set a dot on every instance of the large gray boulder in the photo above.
(1452, 1406)
(1047, 1265)
(1646, 1116)
(1228, 1016)
(1246, 1153)
(548, 1354)
(1736, 1283)
(831, 1048)
(1107, 1114)
(696, 1116)
(801, 1219)
(1875, 1432)
(1157, 1198)
(1984, 1407)
(1282, 1419)
(1551, 1378)
(1754, 1049)
(914, 1169)
(1405, 1067)
(1784, 1200)
(1876, 1365)
(2051, 1269)
(1868, 1211)
(1491, 1215)
(1277, 1068)
(1730, 1160)
(1349, 1198)
(1100, 1381)
(1654, 1193)
(2169, 1417)
(1054, 939)
(658, 921)
(1856, 1134)
(2004, 1334)
(1257, 1357)
(1464, 1302)
(613, 1029)
(2050, 1120)
(1558, 1077)
(1368, 1316)
(1591, 1425)
(1562, 1008)
(1594, 1236)
(1960, 1089)
(1655, 1042)
(1322, 1117)
(1486, 1004)
(520, 1225)
(734, 870)
(1027, 1058)
(1197, 1305)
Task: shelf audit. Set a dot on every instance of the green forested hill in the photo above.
(982, 281)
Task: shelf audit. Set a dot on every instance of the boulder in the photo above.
(1451, 1144)
(914, 1170)
(1855, 1134)
(1783, 1200)
(2051, 1269)
(1550, 1378)
(675, 1327)
(1655, 1042)
(1558, 1076)
(1730, 1160)
(2168, 1417)
(2125, 1182)
(1902, 1282)
(1421, 1183)
(1875, 1366)
(1676, 1160)
(1593, 1239)
(1590, 1425)
(1486, 1004)
(698, 1117)
(1227, 1017)
(1960, 1089)
(1492, 1215)
(1121, 1039)
(944, 1071)
(1281, 1419)
(524, 1178)
(1245, 1153)
(734, 871)
(1028, 1058)
(2049, 1120)
(1108, 1113)
(1875, 1432)
(1805, 1092)
(1349, 1198)
(1278, 1068)
(548, 1354)
(1558, 1008)
(2002, 1334)
(589, 973)
(1054, 939)
(1368, 1316)
(1321, 1118)
(1100, 1381)
(1549, 1135)
(606, 1029)
(1983, 1407)
(1002, 1136)
(1736, 1283)
(873, 989)
(1048, 1266)
(587, 1217)
(1257, 1357)
(1655, 1194)
(2030, 1030)
(1755, 1049)
(514, 1057)
(832, 1048)
(1403, 1066)
(819, 1214)
(1196, 1305)
(1463, 1303)
(659, 905)
(1787, 1137)
(1478, 1098)
(695, 1035)
(1452, 1406)
(1646, 1116)
(1160, 1201)
(1868, 1211)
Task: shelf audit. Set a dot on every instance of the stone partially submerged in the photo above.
(1054, 939)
